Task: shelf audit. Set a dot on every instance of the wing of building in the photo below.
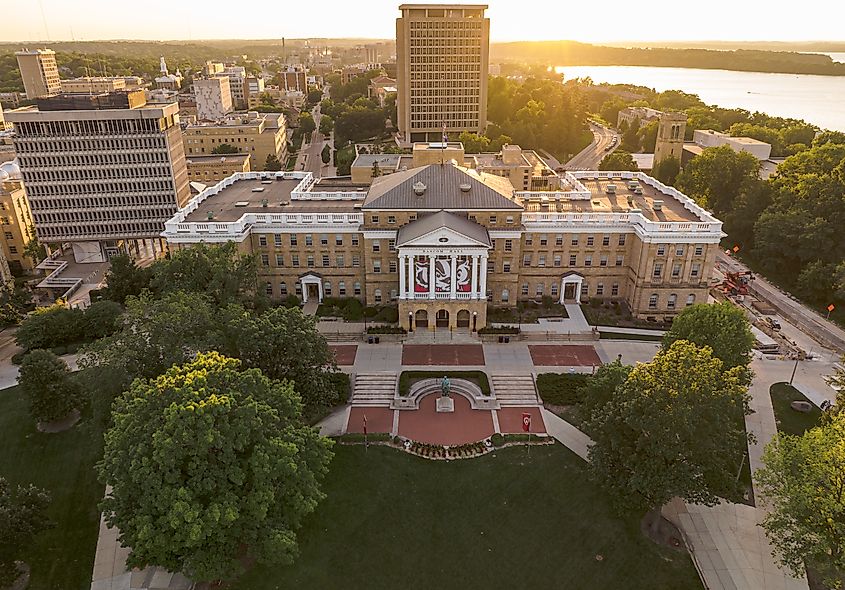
(443, 241)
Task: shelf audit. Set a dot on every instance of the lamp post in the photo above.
(475, 321)
(410, 321)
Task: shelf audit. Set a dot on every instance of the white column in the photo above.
(482, 287)
(431, 261)
(453, 290)
(412, 278)
(403, 270)
(578, 291)
(474, 287)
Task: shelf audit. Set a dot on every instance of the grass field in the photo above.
(63, 463)
(506, 520)
(788, 420)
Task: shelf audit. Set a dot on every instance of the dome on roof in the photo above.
(10, 171)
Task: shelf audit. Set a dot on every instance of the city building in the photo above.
(3, 125)
(294, 78)
(253, 87)
(212, 169)
(256, 134)
(168, 81)
(213, 98)
(443, 241)
(442, 55)
(642, 115)
(237, 77)
(16, 221)
(39, 72)
(100, 171)
(523, 168)
(380, 88)
(708, 138)
(212, 68)
(91, 85)
(670, 137)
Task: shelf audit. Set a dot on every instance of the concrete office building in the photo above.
(442, 55)
(39, 72)
(442, 241)
(256, 134)
(294, 78)
(15, 219)
(708, 138)
(92, 85)
(100, 171)
(213, 98)
(237, 78)
(212, 169)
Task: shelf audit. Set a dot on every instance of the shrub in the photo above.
(101, 319)
(386, 330)
(387, 314)
(51, 326)
(499, 330)
(340, 386)
(497, 439)
(561, 389)
(17, 358)
(291, 301)
(349, 308)
(59, 350)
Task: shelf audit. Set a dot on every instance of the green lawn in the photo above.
(788, 420)
(63, 463)
(505, 520)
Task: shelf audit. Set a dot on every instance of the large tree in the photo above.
(717, 176)
(618, 160)
(803, 479)
(125, 278)
(673, 428)
(208, 465)
(721, 326)
(51, 389)
(667, 170)
(600, 388)
(23, 514)
(51, 326)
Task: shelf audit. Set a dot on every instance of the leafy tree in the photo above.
(210, 465)
(600, 388)
(648, 137)
(285, 344)
(618, 160)
(102, 319)
(631, 137)
(667, 170)
(829, 137)
(225, 148)
(326, 154)
(474, 143)
(802, 479)
(314, 96)
(326, 125)
(272, 164)
(220, 271)
(51, 326)
(306, 123)
(717, 176)
(49, 386)
(721, 326)
(34, 249)
(23, 514)
(15, 302)
(655, 439)
(125, 278)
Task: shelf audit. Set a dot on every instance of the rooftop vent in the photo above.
(658, 205)
(263, 202)
(209, 215)
(465, 187)
(258, 189)
(266, 182)
(610, 189)
(241, 203)
(419, 188)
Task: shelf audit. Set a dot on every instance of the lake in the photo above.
(816, 99)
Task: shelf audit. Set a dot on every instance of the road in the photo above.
(808, 321)
(309, 154)
(590, 157)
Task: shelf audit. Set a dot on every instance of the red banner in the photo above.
(526, 421)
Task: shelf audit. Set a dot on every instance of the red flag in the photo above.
(365, 423)
(526, 421)
(831, 307)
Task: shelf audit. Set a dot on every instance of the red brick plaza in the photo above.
(443, 354)
(344, 354)
(564, 355)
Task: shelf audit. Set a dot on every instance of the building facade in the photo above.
(442, 55)
(39, 72)
(91, 85)
(16, 220)
(212, 169)
(708, 138)
(443, 242)
(100, 170)
(256, 134)
(213, 98)
(671, 128)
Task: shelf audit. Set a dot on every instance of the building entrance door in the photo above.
(442, 320)
(569, 291)
(313, 291)
(462, 319)
(421, 318)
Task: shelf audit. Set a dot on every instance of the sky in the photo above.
(511, 20)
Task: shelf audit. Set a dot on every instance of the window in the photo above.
(283, 289)
(413, 217)
(374, 219)
(605, 241)
(391, 266)
(621, 239)
(670, 303)
(526, 260)
(491, 266)
(544, 240)
(652, 301)
(679, 250)
(509, 219)
(391, 219)
(574, 241)
(354, 240)
(309, 240)
(603, 260)
(572, 260)
(268, 288)
(294, 259)
(676, 270)
(588, 260)
(525, 289)
(699, 250)
(529, 239)
(341, 288)
(310, 261)
(377, 296)
(508, 245)
(489, 294)
(505, 295)
(356, 260)
(600, 289)
(324, 240)
(619, 260)
(338, 261)
(690, 299)
(557, 260)
(327, 289)
(554, 290)
(265, 260)
(377, 266)
(614, 289)
(492, 220)
(357, 288)
(293, 239)
(280, 260)
(394, 294)
(338, 240)
(585, 289)
(539, 290)
(298, 288)
(589, 240)
(376, 246)
(694, 270)
(542, 260)
(262, 241)
(325, 259)
(506, 266)
(391, 245)
(277, 240)
(661, 250)
(559, 240)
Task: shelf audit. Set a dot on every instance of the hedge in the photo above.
(386, 330)
(561, 389)
(499, 330)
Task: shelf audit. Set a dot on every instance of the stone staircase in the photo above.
(514, 389)
(374, 389)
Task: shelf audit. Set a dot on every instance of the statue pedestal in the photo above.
(445, 404)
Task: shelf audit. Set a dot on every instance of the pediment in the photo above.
(444, 237)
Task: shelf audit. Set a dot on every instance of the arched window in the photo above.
(652, 301)
(377, 296)
(327, 289)
(283, 289)
(357, 288)
(690, 299)
(670, 304)
(505, 295)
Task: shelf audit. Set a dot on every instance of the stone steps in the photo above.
(374, 389)
(514, 390)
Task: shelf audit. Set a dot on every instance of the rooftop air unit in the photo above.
(419, 188)
(465, 187)
(658, 205)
